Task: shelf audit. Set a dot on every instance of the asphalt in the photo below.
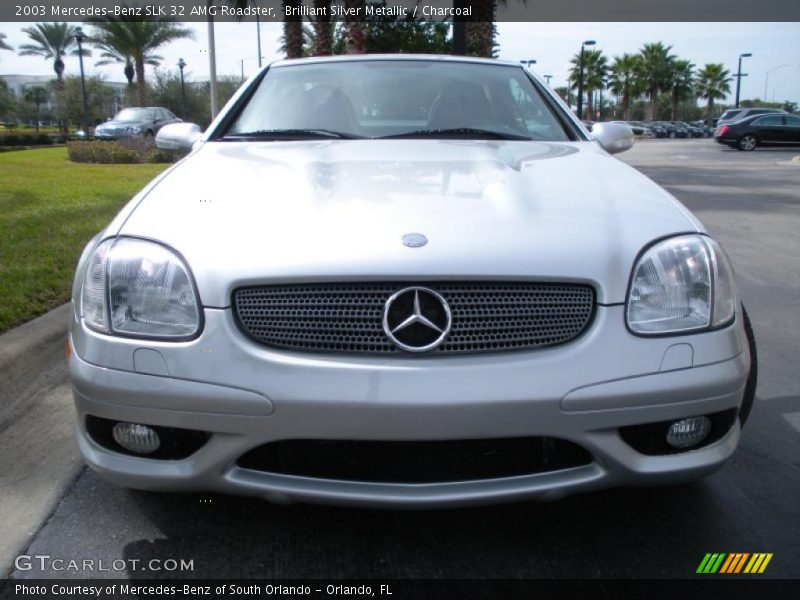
(751, 202)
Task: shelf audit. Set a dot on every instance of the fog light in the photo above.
(688, 432)
(137, 438)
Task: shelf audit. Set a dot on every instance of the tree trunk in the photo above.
(626, 107)
(356, 36)
(674, 107)
(293, 31)
(652, 108)
(322, 27)
(129, 72)
(140, 82)
(480, 29)
(710, 109)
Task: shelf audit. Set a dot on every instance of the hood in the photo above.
(247, 213)
(121, 124)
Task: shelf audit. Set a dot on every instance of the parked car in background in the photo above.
(760, 130)
(135, 122)
(694, 130)
(639, 128)
(708, 130)
(668, 127)
(737, 114)
(681, 131)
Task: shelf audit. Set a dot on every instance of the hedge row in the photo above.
(117, 153)
(30, 139)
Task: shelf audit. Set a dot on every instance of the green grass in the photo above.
(49, 209)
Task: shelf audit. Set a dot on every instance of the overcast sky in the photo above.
(551, 44)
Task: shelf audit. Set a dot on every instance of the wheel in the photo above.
(752, 378)
(672, 135)
(747, 143)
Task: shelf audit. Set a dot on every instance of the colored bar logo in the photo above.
(734, 563)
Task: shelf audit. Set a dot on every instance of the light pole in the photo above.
(182, 66)
(580, 77)
(547, 78)
(739, 75)
(79, 37)
(528, 62)
(766, 79)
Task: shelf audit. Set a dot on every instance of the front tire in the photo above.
(752, 378)
(747, 143)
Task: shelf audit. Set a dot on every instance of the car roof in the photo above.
(393, 57)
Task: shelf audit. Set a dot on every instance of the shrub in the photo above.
(26, 139)
(100, 152)
(117, 152)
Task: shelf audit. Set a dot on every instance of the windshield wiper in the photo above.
(289, 134)
(457, 132)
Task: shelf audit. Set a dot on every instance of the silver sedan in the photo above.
(408, 281)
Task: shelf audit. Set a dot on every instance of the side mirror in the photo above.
(178, 136)
(613, 137)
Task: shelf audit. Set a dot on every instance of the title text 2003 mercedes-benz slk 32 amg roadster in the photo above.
(408, 281)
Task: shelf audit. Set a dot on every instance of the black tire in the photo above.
(747, 143)
(752, 378)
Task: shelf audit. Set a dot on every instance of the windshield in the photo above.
(399, 98)
(729, 114)
(135, 114)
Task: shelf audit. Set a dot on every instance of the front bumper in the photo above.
(245, 395)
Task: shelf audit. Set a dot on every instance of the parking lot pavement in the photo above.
(752, 203)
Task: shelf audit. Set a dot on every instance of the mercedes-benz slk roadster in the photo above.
(409, 281)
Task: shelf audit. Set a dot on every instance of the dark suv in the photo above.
(737, 114)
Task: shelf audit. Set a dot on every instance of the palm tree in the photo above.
(3, 45)
(624, 80)
(114, 48)
(656, 70)
(682, 83)
(713, 83)
(139, 40)
(323, 31)
(52, 41)
(355, 31)
(595, 69)
(37, 96)
(292, 31)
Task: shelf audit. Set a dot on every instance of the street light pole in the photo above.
(79, 37)
(766, 79)
(580, 78)
(181, 66)
(547, 78)
(528, 62)
(258, 35)
(739, 75)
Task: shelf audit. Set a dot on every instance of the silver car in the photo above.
(407, 281)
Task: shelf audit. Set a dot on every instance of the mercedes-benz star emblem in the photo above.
(414, 240)
(417, 319)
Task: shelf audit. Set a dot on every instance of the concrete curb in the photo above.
(38, 456)
(20, 345)
(795, 160)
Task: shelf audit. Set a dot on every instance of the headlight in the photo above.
(682, 284)
(134, 129)
(138, 288)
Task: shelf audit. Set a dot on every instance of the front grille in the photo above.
(415, 462)
(348, 317)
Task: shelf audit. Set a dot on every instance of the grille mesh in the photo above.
(348, 317)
